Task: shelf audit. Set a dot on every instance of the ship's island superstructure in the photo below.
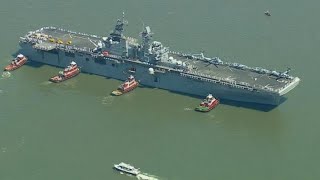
(118, 56)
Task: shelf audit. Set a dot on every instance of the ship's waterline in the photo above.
(117, 56)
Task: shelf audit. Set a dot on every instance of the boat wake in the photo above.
(46, 83)
(129, 170)
(107, 100)
(3, 149)
(211, 116)
(71, 83)
(6, 74)
(188, 109)
(145, 176)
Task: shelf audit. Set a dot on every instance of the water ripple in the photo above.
(6, 75)
(107, 100)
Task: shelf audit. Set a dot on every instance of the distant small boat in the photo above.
(267, 13)
(17, 62)
(126, 168)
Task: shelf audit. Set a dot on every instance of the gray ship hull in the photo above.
(168, 80)
(118, 56)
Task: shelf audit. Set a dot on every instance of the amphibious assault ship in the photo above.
(154, 65)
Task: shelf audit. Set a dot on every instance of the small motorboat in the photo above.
(71, 71)
(126, 168)
(267, 13)
(207, 104)
(17, 62)
(127, 86)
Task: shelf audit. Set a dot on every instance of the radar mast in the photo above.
(146, 35)
(119, 27)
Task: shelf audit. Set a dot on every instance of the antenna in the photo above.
(142, 29)
(124, 21)
(202, 54)
(142, 24)
(287, 71)
(119, 27)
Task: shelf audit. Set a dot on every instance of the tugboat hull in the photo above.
(207, 109)
(120, 92)
(116, 93)
(58, 79)
(12, 67)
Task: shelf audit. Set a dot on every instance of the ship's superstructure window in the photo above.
(53, 52)
(68, 54)
(100, 61)
(116, 43)
(132, 70)
(40, 53)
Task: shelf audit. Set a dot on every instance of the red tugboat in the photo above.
(17, 62)
(127, 86)
(69, 72)
(207, 104)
